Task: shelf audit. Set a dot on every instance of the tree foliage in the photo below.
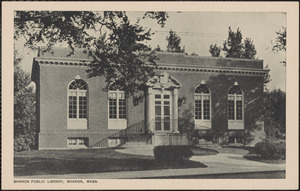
(214, 50)
(275, 114)
(280, 43)
(115, 44)
(249, 51)
(158, 49)
(174, 43)
(24, 109)
(234, 47)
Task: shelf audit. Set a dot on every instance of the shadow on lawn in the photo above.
(41, 165)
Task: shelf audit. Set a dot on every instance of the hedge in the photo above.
(172, 153)
(269, 150)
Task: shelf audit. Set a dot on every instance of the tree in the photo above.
(174, 43)
(214, 50)
(116, 45)
(158, 49)
(234, 46)
(249, 51)
(24, 109)
(274, 114)
(280, 43)
(194, 54)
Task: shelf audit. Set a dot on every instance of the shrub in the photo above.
(24, 142)
(172, 153)
(269, 150)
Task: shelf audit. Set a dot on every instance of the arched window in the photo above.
(77, 95)
(235, 103)
(202, 103)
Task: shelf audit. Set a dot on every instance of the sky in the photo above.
(198, 30)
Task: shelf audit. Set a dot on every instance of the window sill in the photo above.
(202, 124)
(235, 124)
(77, 123)
(117, 123)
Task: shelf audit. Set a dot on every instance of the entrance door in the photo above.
(163, 111)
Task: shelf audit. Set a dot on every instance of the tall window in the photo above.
(235, 103)
(77, 100)
(202, 103)
(117, 105)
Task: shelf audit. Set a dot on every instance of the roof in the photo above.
(169, 58)
(64, 53)
(167, 61)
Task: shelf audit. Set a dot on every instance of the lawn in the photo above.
(43, 162)
(198, 151)
(248, 153)
(255, 157)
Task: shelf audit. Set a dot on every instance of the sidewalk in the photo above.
(216, 164)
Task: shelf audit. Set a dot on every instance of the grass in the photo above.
(239, 150)
(202, 151)
(255, 157)
(248, 153)
(43, 162)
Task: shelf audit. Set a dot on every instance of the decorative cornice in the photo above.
(63, 62)
(218, 70)
(224, 70)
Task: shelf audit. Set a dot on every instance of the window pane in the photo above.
(167, 110)
(72, 107)
(206, 109)
(231, 109)
(235, 90)
(157, 123)
(239, 112)
(202, 89)
(71, 141)
(158, 110)
(230, 97)
(122, 108)
(166, 123)
(157, 96)
(166, 96)
(205, 97)
(112, 108)
(198, 109)
(121, 95)
(78, 84)
(197, 97)
(82, 141)
(166, 103)
(82, 107)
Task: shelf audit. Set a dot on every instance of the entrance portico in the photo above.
(162, 105)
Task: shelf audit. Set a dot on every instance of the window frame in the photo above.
(78, 122)
(118, 92)
(164, 120)
(202, 95)
(235, 99)
(77, 142)
(78, 92)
